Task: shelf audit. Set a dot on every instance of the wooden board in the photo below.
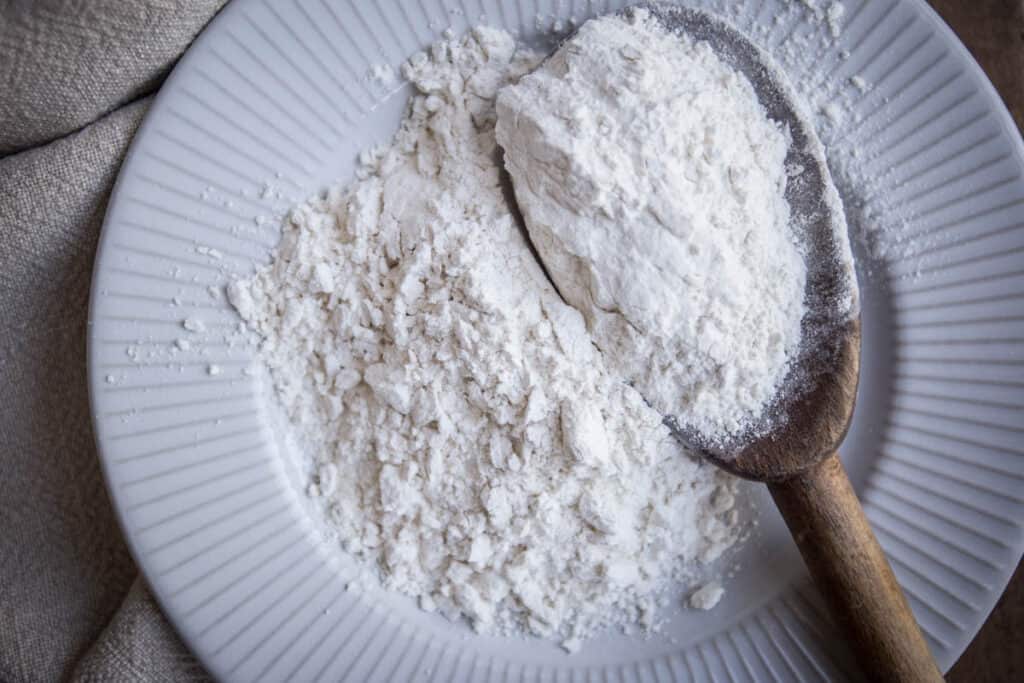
(993, 30)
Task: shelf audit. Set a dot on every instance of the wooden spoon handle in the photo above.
(850, 570)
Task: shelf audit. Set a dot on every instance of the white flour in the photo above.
(465, 435)
(653, 183)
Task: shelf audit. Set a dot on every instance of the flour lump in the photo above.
(466, 437)
(653, 186)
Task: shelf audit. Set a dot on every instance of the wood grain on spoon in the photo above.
(852, 574)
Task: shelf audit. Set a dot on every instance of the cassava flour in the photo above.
(653, 186)
(467, 438)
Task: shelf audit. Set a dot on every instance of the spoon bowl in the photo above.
(810, 417)
(792, 447)
(813, 425)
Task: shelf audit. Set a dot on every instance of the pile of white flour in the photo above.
(653, 186)
(466, 435)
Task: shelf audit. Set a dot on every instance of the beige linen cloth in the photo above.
(75, 76)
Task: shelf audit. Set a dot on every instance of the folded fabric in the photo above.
(71, 74)
(139, 645)
(65, 63)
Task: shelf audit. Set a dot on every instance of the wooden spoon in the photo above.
(794, 451)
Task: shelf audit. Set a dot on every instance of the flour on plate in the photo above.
(653, 185)
(464, 434)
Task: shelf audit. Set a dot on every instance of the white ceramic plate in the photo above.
(199, 471)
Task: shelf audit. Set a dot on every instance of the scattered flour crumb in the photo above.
(834, 16)
(834, 112)
(209, 251)
(707, 596)
(382, 75)
(193, 324)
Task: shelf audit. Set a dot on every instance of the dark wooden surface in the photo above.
(993, 30)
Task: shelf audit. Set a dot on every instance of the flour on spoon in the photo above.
(652, 183)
